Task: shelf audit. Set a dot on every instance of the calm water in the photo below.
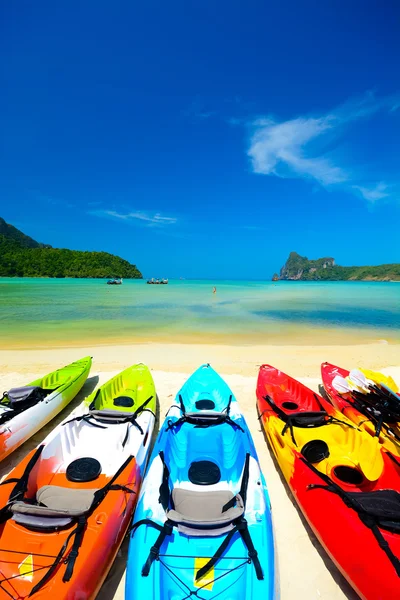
(51, 312)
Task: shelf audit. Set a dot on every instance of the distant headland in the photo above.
(299, 268)
(22, 256)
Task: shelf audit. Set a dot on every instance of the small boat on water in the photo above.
(157, 281)
(115, 281)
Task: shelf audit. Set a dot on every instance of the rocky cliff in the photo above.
(300, 268)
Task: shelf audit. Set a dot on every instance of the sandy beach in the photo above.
(305, 571)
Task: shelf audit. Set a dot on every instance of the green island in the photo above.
(299, 268)
(21, 256)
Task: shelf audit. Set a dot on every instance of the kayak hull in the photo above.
(349, 543)
(68, 381)
(173, 576)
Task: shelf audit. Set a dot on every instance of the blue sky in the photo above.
(203, 139)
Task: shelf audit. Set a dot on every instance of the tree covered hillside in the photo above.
(21, 256)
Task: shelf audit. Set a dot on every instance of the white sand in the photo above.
(306, 572)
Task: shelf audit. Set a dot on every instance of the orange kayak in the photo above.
(66, 507)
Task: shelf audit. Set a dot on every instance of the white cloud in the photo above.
(294, 148)
(279, 149)
(145, 218)
(372, 194)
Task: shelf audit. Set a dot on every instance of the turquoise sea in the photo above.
(57, 312)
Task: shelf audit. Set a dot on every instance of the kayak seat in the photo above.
(383, 506)
(55, 506)
(21, 398)
(110, 416)
(205, 513)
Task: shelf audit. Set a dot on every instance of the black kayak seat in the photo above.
(21, 398)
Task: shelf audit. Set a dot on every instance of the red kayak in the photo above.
(389, 435)
(346, 486)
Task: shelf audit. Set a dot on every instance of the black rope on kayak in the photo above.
(8, 593)
(203, 421)
(88, 419)
(55, 564)
(211, 581)
(171, 407)
(159, 557)
(228, 406)
(182, 406)
(92, 419)
(164, 487)
(370, 520)
(192, 556)
(239, 525)
(304, 418)
(243, 486)
(191, 592)
(59, 557)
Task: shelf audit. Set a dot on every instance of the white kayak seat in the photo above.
(56, 507)
(205, 513)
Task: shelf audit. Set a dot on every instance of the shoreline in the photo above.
(301, 336)
(297, 360)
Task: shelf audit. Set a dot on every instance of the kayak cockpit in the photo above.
(17, 400)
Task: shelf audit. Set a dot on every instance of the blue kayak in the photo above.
(202, 525)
